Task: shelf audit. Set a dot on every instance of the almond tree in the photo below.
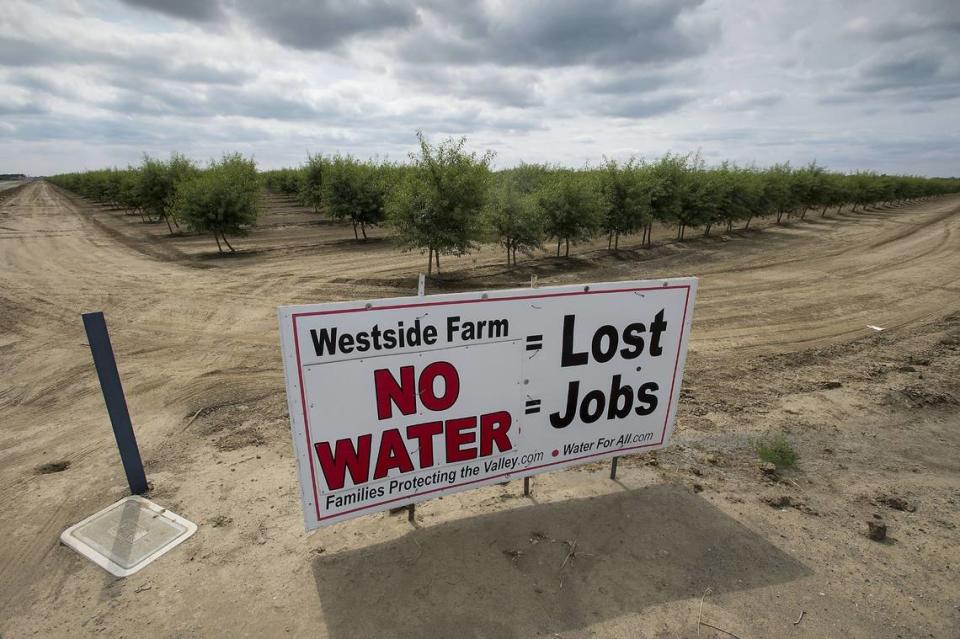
(667, 184)
(355, 191)
(571, 207)
(225, 198)
(158, 185)
(437, 206)
(514, 218)
(311, 193)
(626, 199)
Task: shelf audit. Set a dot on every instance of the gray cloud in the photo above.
(916, 69)
(323, 24)
(37, 82)
(908, 20)
(643, 107)
(561, 80)
(195, 10)
(139, 133)
(136, 65)
(23, 108)
(558, 33)
(739, 101)
(24, 52)
(198, 73)
(114, 130)
(499, 87)
(628, 83)
(901, 76)
(216, 102)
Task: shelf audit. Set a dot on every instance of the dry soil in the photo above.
(781, 343)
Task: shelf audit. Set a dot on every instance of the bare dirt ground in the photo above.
(780, 343)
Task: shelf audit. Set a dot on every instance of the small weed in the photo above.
(776, 450)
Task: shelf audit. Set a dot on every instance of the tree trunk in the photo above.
(166, 219)
(706, 231)
(567, 253)
(779, 215)
(508, 254)
(224, 236)
(679, 229)
(219, 248)
(430, 262)
(363, 230)
(514, 255)
(616, 241)
(436, 256)
(747, 225)
(609, 240)
(355, 235)
(823, 213)
(558, 246)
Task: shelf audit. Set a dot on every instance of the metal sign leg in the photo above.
(106, 366)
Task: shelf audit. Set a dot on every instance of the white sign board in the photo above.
(399, 400)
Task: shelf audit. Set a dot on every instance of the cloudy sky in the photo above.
(852, 84)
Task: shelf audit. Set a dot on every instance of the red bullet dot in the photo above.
(555, 452)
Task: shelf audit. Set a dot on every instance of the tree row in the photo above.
(447, 200)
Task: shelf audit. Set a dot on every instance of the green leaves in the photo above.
(437, 205)
(159, 182)
(356, 191)
(446, 201)
(514, 218)
(311, 186)
(286, 181)
(627, 193)
(571, 206)
(225, 198)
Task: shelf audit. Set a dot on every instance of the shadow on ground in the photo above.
(518, 573)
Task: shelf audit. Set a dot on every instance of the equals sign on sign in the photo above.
(533, 406)
(534, 342)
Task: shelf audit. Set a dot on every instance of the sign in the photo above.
(399, 400)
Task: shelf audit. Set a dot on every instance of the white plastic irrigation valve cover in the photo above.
(399, 400)
(127, 535)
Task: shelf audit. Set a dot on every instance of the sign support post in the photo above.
(113, 397)
(613, 467)
(421, 291)
(526, 480)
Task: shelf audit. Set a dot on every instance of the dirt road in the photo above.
(781, 313)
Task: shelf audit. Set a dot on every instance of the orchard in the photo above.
(447, 200)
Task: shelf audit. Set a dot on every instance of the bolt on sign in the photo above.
(400, 400)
